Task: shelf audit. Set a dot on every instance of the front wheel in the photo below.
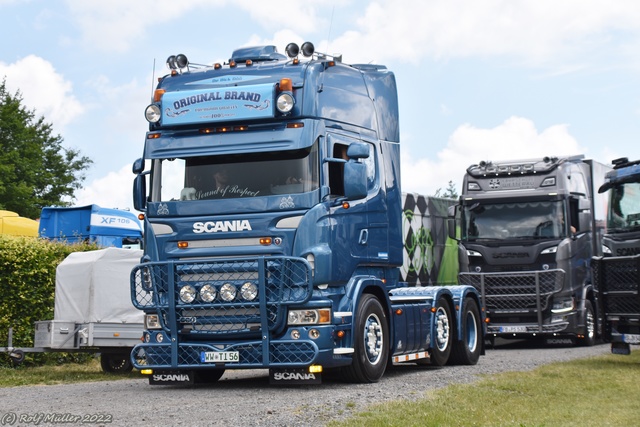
(442, 329)
(467, 350)
(589, 338)
(371, 346)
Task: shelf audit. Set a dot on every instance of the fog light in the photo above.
(314, 334)
(208, 293)
(159, 338)
(295, 334)
(284, 103)
(187, 294)
(228, 292)
(152, 113)
(249, 291)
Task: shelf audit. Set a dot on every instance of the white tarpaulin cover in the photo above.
(94, 287)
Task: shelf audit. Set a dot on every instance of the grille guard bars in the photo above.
(281, 281)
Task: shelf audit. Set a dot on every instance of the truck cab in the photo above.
(528, 231)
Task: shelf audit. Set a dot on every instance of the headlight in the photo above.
(551, 250)
(249, 291)
(208, 293)
(284, 103)
(318, 316)
(187, 294)
(228, 292)
(562, 306)
(152, 113)
(151, 321)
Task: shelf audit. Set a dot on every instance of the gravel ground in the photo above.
(246, 398)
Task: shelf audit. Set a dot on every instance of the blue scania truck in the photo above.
(273, 229)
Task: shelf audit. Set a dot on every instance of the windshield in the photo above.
(624, 208)
(236, 176)
(500, 221)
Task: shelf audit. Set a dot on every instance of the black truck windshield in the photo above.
(624, 208)
(504, 221)
(235, 176)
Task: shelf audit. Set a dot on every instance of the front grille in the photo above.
(515, 291)
(618, 281)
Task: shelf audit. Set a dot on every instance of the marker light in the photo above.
(285, 85)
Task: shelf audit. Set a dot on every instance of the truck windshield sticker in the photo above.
(226, 80)
(212, 105)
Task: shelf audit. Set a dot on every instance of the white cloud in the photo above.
(516, 138)
(535, 32)
(115, 26)
(43, 89)
(111, 191)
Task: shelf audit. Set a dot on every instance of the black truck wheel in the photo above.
(444, 340)
(590, 323)
(116, 363)
(467, 350)
(371, 343)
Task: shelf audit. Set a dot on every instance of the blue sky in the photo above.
(478, 79)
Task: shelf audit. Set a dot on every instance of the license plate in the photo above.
(513, 329)
(631, 338)
(219, 356)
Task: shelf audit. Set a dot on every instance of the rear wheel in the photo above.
(467, 350)
(116, 363)
(371, 346)
(443, 342)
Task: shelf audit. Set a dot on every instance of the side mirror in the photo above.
(138, 166)
(584, 205)
(451, 228)
(355, 180)
(140, 193)
(584, 221)
(358, 150)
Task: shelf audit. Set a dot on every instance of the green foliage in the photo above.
(27, 286)
(449, 193)
(35, 169)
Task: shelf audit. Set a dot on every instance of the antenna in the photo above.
(153, 77)
(333, 8)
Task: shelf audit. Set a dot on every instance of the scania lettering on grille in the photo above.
(221, 226)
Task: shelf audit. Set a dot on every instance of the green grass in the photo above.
(62, 374)
(602, 391)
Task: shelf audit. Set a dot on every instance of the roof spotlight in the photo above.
(181, 60)
(171, 62)
(308, 49)
(292, 50)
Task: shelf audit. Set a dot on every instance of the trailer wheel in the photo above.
(444, 340)
(116, 363)
(467, 350)
(17, 357)
(371, 343)
(589, 338)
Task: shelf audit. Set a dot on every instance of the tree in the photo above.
(449, 193)
(35, 169)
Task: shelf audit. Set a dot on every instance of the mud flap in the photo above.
(293, 376)
(620, 348)
(171, 377)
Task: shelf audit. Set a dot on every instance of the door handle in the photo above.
(364, 236)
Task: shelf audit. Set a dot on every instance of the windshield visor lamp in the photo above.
(285, 102)
(152, 113)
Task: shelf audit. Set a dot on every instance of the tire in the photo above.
(208, 376)
(467, 350)
(371, 343)
(590, 323)
(116, 363)
(442, 330)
